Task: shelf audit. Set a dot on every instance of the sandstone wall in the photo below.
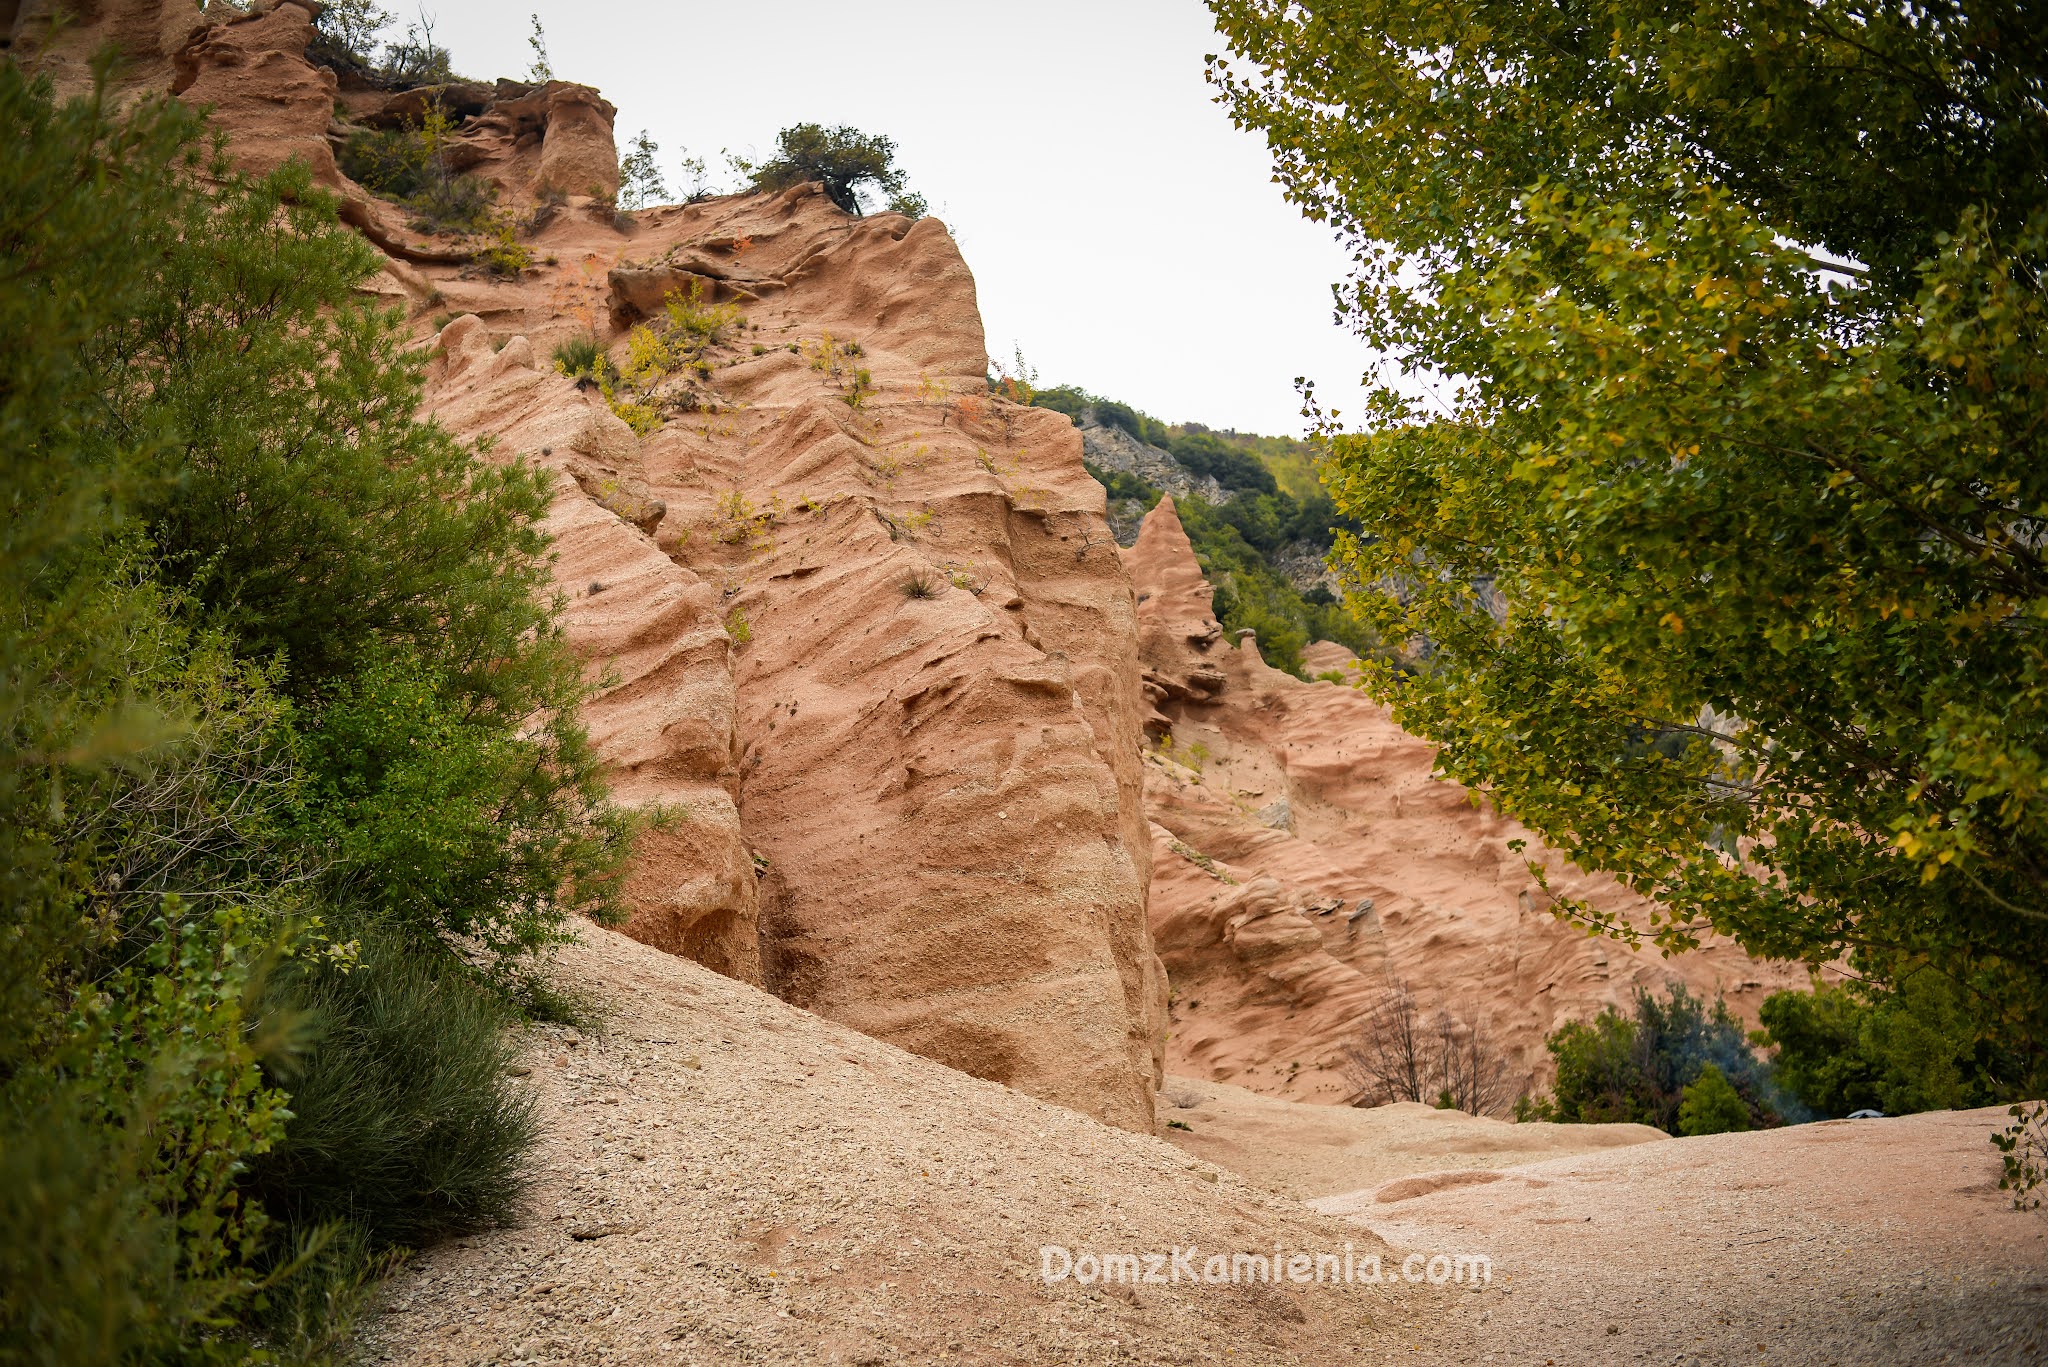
(889, 650)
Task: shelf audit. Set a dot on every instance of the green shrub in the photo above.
(393, 162)
(580, 358)
(410, 166)
(441, 819)
(404, 1123)
(230, 537)
(1711, 1105)
(1637, 1067)
(696, 324)
(129, 1090)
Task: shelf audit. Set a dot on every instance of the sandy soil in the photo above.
(1847, 1242)
(726, 1179)
(1304, 1150)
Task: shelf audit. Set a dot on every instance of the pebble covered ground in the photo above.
(726, 1179)
(1846, 1243)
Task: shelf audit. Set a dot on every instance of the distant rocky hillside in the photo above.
(1252, 506)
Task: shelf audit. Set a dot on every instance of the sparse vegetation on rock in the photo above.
(347, 38)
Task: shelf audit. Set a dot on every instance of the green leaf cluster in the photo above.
(1734, 326)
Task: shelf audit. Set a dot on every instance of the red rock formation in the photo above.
(870, 647)
(934, 696)
(1304, 856)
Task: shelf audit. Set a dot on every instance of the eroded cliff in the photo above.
(1305, 858)
(872, 634)
(858, 628)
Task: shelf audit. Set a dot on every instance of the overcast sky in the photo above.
(1120, 230)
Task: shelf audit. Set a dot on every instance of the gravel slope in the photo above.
(726, 1179)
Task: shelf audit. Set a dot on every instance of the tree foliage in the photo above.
(1917, 1048)
(852, 166)
(1736, 318)
(1711, 1105)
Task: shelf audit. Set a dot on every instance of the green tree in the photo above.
(640, 182)
(1711, 1105)
(844, 160)
(346, 32)
(1919, 1047)
(1598, 1079)
(1739, 318)
(306, 511)
(137, 769)
(1637, 1067)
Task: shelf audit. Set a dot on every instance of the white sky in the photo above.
(1118, 227)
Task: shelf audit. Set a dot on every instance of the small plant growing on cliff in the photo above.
(860, 388)
(640, 181)
(737, 627)
(826, 353)
(920, 584)
(973, 578)
(706, 325)
(648, 356)
(1017, 382)
(581, 358)
(542, 69)
(503, 253)
(643, 418)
